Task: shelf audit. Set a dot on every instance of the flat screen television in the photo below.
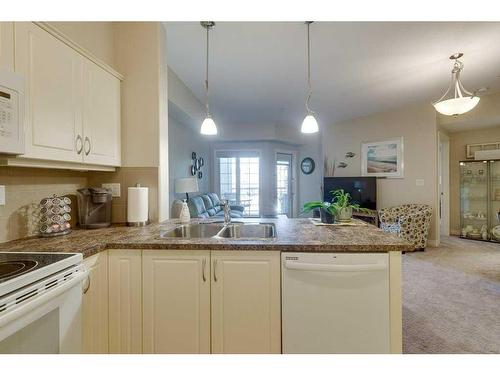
(363, 190)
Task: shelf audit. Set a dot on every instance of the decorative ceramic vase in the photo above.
(184, 216)
(326, 217)
(345, 214)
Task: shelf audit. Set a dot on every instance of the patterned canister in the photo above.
(54, 216)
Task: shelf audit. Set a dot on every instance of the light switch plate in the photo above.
(115, 189)
(2, 195)
(419, 182)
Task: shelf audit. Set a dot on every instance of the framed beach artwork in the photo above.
(383, 159)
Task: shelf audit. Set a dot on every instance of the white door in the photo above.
(246, 316)
(284, 191)
(237, 176)
(95, 305)
(125, 301)
(101, 116)
(335, 303)
(176, 289)
(444, 184)
(53, 74)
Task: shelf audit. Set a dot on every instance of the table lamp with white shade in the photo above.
(186, 185)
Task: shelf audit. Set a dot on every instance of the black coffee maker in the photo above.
(94, 207)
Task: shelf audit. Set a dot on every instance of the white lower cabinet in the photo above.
(201, 301)
(125, 301)
(246, 312)
(95, 305)
(176, 301)
(182, 301)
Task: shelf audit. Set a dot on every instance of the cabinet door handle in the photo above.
(86, 289)
(203, 265)
(215, 270)
(87, 141)
(79, 141)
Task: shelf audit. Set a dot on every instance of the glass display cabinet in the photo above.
(480, 200)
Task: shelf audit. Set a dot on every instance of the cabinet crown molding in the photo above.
(82, 51)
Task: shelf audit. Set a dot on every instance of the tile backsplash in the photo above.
(25, 188)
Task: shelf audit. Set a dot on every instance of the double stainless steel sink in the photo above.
(234, 230)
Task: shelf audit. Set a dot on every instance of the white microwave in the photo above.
(11, 112)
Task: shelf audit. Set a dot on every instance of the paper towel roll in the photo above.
(137, 206)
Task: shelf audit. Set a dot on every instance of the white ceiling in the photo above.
(258, 69)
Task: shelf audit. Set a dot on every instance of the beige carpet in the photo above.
(451, 298)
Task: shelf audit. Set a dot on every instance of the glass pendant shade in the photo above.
(309, 125)
(456, 100)
(208, 126)
(456, 106)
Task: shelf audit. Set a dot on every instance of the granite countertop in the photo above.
(299, 235)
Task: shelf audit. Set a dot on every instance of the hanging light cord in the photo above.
(207, 106)
(309, 111)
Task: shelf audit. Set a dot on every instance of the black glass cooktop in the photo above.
(16, 264)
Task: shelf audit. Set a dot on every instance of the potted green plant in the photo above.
(326, 210)
(343, 206)
(340, 208)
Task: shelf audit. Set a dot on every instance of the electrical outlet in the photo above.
(2, 195)
(115, 189)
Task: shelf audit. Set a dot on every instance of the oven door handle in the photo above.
(299, 266)
(44, 298)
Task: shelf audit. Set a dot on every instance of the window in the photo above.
(239, 179)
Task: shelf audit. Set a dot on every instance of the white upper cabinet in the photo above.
(101, 116)
(53, 74)
(72, 103)
(7, 45)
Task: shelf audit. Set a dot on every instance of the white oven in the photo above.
(44, 316)
(11, 112)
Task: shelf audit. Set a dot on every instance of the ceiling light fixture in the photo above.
(309, 125)
(458, 103)
(208, 126)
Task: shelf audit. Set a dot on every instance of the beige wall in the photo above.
(458, 141)
(417, 124)
(95, 37)
(140, 55)
(137, 58)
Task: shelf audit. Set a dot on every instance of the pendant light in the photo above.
(458, 103)
(309, 125)
(208, 126)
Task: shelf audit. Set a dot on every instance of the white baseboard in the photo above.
(432, 243)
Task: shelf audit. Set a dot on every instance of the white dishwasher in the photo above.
(335, 303)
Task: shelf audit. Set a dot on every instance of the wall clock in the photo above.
(307, 165)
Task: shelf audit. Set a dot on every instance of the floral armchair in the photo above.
(409, 221)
